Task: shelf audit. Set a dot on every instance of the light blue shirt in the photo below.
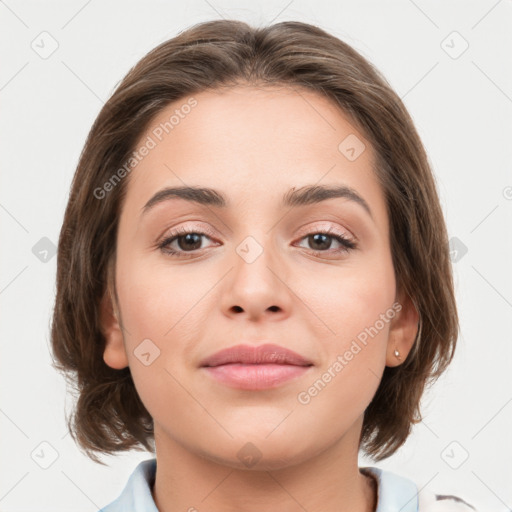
(395, 493)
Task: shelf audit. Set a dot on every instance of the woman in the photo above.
(254, 278)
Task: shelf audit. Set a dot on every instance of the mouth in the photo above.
(259, 354)
(255, 367)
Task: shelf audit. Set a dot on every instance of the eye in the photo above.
(321, 242)
(184, 240)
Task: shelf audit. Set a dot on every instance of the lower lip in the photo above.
(255, 376)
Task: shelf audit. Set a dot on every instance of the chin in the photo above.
(258, 453)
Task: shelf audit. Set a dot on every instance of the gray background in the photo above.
(461, 102)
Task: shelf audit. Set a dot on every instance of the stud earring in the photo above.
(397, 354)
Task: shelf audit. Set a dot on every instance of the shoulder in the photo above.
(397, 492)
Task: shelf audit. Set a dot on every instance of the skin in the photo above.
(253, 145)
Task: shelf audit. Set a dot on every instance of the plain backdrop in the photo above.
(448, 60)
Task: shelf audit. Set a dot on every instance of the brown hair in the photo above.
(109, 415)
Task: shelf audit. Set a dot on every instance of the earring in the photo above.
(397, 354)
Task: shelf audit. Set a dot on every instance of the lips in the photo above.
(255, 368)
(260, 354)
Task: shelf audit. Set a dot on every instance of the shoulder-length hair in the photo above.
(109, 415)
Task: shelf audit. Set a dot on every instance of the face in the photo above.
(315, 277)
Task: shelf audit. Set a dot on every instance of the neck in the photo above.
(329, 481)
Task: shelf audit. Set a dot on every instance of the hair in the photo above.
(108, 415)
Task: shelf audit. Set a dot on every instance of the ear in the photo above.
(403, 329)
(114, 354)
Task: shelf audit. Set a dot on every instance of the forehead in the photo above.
(254, 144)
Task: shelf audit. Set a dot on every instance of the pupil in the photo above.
(191, 238)
(321, 238)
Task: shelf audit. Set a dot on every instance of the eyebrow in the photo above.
(304, 196)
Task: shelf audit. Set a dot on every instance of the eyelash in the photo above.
(347, 245)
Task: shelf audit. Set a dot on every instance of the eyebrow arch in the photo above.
(307, 195)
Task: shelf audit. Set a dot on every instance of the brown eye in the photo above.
(189, 242)
(322, 242)
(183, 241)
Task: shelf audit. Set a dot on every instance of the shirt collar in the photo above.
(394, 492)
(136, 496)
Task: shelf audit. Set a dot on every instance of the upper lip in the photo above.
(256, 354)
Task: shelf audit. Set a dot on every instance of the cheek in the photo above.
(350, 298)
(356, 305)
(358, 310)
(161, 312)
(164, 311)
(157, 302)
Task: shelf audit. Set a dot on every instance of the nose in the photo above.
(256, 287)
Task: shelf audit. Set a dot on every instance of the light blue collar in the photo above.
(136, 496)
(395, 493)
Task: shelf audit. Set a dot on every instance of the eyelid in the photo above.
(328, 227)
(174, 231)
(320, 226)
